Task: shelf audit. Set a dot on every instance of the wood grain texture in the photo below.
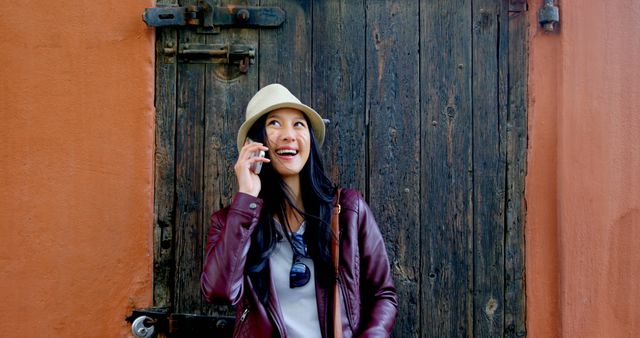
(489, 164)
(446, 162)
(393, 107)
(515, 301)
(226, 94)
(339, 88)
(164, 184)
(286, 51)
(189, 180)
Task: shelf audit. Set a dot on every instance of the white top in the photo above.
(298, 305)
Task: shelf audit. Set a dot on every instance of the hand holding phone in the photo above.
(248, 166)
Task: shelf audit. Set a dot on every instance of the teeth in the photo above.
(287, 152)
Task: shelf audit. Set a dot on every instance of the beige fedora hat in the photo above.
(270, 98)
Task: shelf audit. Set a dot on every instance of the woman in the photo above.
(269, 252)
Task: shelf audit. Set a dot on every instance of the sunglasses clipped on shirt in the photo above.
(300, 273)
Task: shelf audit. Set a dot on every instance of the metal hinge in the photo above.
(208, 18)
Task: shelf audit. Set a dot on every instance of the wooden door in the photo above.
(427, 103)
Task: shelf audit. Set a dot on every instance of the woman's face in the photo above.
(289, 141)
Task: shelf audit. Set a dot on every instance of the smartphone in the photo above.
(256, 167)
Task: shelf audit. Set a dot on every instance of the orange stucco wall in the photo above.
(76, 105)
(583, 181)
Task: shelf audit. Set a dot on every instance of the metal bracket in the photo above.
(209, 18)
(549, 16)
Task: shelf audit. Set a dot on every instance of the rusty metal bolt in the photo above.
(242, 15)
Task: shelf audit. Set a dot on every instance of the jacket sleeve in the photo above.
(227, 246)
(379, 298)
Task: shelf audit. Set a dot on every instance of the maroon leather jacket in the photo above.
(365, 278)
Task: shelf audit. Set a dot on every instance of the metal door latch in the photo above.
(242, 55)
(147, 322)
(208, 18)
(549, 15)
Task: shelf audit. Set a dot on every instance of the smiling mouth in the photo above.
(287, 152)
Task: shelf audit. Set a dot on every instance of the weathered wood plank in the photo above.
(164, 185)
(393, 107)
(339, 88)
(446, 162)
(515, 302)
(285, 52)
(189, 179)
(227, 91)
(490, 46)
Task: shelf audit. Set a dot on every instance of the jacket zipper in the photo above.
(240, 330)
(244, 315)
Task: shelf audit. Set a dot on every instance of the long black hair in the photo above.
(317, 196)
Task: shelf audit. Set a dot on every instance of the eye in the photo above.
(300, 124)
(273, 123)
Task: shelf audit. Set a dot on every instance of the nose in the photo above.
(288, 133)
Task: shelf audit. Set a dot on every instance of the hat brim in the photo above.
(315, 120)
